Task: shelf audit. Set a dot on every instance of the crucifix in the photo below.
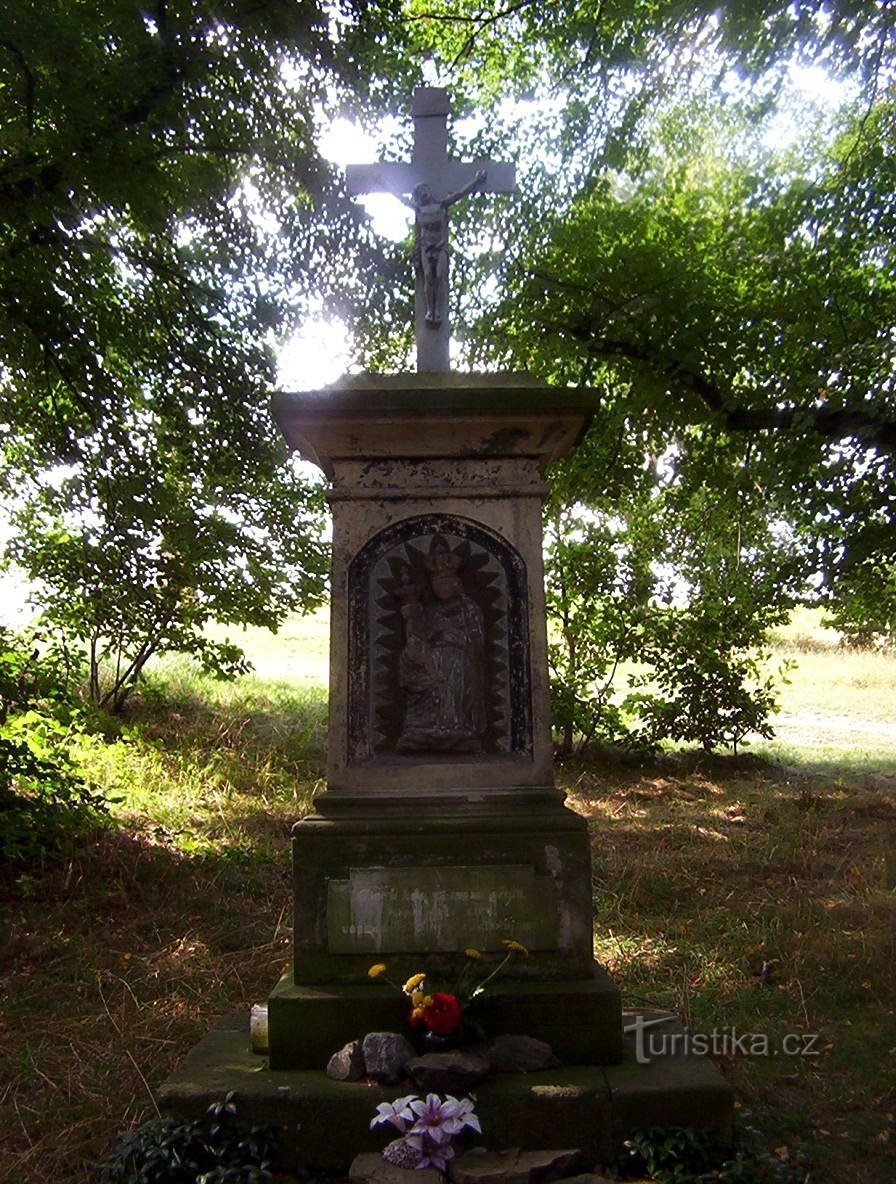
(429, 185)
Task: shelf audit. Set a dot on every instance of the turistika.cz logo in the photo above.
(651, 1042)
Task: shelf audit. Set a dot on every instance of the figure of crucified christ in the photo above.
(431, 243)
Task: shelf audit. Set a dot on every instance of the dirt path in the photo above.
(831, 727)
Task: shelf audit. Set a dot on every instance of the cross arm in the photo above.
(454, 175)
(393, 177)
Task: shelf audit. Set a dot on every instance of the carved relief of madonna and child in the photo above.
(442, 664)
(439, 644)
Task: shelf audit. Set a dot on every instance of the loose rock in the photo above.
(513, 1167)
(448, 1072)
(371, 1168)
(521, 1054)
(348, 1063)
(385, 1056)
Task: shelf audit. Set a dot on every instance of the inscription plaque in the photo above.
(440, 909)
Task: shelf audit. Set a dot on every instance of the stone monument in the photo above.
(440, 827)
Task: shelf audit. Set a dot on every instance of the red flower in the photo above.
(443, 1015)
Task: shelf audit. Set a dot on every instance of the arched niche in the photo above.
(438, 645)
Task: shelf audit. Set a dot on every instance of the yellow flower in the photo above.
(417, 1015)
(417, 998)
(413, 982)
(471, 953)
(518, 948)
(376, 970)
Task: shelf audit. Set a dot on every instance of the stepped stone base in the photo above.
(325, 1124)
(307, 1024)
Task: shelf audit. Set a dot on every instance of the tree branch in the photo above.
(483, 22)
(831, 423)
(41, 172)
(30, 82)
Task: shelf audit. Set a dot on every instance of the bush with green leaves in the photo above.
(216, 1150)
(597, 589)
(684, 1155)
(663, 581)
(707, 687)
(44, 800)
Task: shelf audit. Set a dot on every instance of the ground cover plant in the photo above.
(753, 893)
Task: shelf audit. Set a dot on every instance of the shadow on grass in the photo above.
(751, 895)
(118, 955)
(739, 891)
(114, 961)
(213, 768)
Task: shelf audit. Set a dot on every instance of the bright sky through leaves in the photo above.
(321, 351)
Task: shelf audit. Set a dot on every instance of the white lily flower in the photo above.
(398, 1113)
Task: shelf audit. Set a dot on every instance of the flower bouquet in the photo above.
(444, 1015)
(427, 1129)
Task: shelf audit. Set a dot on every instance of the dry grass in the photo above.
(116, 958)
(113, 963)
(742, 893)
(751, 896)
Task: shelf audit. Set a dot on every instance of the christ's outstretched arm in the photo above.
(474, 184)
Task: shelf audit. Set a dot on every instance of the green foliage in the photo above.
(708, 691)
(684, 1155)
(164, 207)
(663, 581)
(216, 1150)
(44, 801)
(724, 289)
(866, 614)
(598, 601)
(673, 1155)
(36, 666)
(712, 251)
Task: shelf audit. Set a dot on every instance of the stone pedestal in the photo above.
(441, 827)
(326, 1123)
(423, 884)
(435, 476)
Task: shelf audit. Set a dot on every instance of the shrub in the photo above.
(43, 799)
(215, 1150)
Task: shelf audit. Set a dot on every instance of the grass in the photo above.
(756, 897)
(754, 893)
(838, 707)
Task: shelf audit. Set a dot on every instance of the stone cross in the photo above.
(431, 183)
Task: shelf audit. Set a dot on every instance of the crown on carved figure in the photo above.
(441, 559)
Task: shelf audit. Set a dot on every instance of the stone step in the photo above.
(325, 1123)
(307, 1024)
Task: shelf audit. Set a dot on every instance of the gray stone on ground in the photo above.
(514, 1166)
(448, 1072)
(521, 1054)
(385, 1056)
(348, 1063)
(371, 1168)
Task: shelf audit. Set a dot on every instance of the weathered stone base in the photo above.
(326, 1123)
(307, 1024)
(414, 886)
